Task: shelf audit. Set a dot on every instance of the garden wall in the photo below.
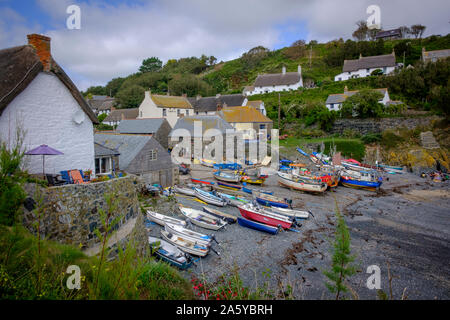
(71, 211)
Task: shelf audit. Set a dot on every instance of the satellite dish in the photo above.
(78, 117)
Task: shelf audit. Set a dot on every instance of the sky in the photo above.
(115, 36)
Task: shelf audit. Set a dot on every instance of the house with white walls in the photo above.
(38, 97)
(334, 101)
(364, 66)
(164, 106)
(275, 82)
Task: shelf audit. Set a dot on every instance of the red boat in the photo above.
(251, 212)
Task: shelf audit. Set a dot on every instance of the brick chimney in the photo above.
(42, 45)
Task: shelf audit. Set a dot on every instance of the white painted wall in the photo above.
(46, 109)
(148, 109)
(361, 73)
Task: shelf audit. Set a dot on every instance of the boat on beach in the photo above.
(202, 219)
(189, 234)
(185, 245)
(170, 253)
(162, 219)
(209, 197)
(257, 225)
(257, 214)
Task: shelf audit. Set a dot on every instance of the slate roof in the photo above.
(387, 60)
(20, 65)
(436, 54)
(116, 115)
(389, 33)
(100, 150)
(171, 101)
(142, 126)
(243, 115)
(128, 146)
(209, 104)
(341, 97)
(277, 79)
(208, 122)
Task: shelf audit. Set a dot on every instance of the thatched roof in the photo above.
(20, 65)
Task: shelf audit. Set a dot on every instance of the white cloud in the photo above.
(113, 41)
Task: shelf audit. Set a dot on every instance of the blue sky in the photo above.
(116, 36)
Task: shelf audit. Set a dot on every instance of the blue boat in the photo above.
(257, 226)
(248, 190)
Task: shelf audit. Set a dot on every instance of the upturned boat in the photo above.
(257, 225)
(270, 200)
(289, 181)
(227, 176)
(209, 197)
(170, 253)
(189, 234)
(254, 213)
(162, 219)
(219, 214)
(185, 244)
(202, 219)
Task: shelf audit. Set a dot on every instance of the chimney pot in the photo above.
(42, 45)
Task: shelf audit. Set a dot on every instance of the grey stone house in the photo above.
(159, 128)
(141, 155)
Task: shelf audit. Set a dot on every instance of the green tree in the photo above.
(364, 104)
(152, 64)
(131, 97)
(341, 267)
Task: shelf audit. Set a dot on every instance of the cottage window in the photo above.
(164, 113)
(153, 154)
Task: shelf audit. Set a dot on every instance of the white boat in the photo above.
(162, 219)
(208, 197)
(299, 214)
(189, 234)
(184, 190)
(202, 219)
(185, 244)
(289, 181)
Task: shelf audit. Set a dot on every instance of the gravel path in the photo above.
(406, 226)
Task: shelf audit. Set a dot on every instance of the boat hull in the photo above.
(257, 226)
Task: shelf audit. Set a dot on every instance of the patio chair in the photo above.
(65, 175)
(76, 177)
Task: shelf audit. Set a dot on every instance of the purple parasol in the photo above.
(43, 150)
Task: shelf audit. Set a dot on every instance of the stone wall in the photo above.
(71, 211)
(365, 126)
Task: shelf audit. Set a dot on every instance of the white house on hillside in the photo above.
(364, 66)
(169, 107)
(276, 82)
(335, 101)
(36, 95)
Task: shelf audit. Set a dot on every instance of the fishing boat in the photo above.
(185, 244)
(270, 200)
(233, 200)
(250, 191)
(289, 181)
(170, 253)
(252, 180)
(209, 197)
(162, 219)
(255, 213)
(226, 176)
(295, 214)
(202, 219)
(183, 190)
(202, 181)
(207, 163)
(189, 234)
(257, 226)
(360, 179)
(229, 186)
(222, 215)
